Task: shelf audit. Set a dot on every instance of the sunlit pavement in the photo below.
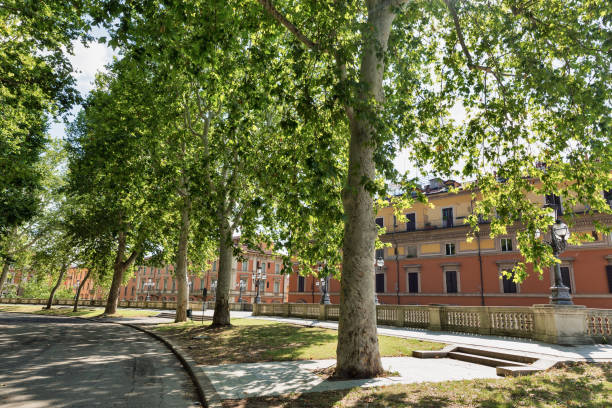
(236, 381)
(69, 362)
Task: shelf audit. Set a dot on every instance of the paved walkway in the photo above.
(48, 361)
(237, 381)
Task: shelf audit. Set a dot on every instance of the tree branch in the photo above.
(132, 257)
(274, 13)
(470, 62)
(203, 136)
(187, 119)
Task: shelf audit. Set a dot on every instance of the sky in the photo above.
(86, 61)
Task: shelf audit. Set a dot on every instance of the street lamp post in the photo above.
(324, 287)
(559, 233)
(379, 264)
(241, 286)
(149, 284)
(257, 277)
(213, 289)
(76, 287)
(285, 281)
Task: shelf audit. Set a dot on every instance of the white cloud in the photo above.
(87, 61)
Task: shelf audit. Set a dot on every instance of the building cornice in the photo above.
(462, 231)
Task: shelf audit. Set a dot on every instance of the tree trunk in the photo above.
(57, 285)
(119, 268)
(5, 269)
(78, 294)
(182, 303)
(221, 316)
(357, 351)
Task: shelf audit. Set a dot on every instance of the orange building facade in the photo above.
(429, 260)
(157, 283)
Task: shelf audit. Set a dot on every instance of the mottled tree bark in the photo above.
(221, 316)
(357, 351)
(75, 307)
(119, 268)
(5, 269)
(57, 285)
(182, 303)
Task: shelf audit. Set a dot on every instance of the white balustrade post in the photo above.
(485, 320)
(399, 318)
(560, 324)
(436, 318)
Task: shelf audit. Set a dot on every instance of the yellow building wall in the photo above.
(487, 244)
(430, 248)
(473, 246)
(461, 203)
(468, 246)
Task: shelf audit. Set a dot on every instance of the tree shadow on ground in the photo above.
(576, 385)
(254, 344)
(54, 361)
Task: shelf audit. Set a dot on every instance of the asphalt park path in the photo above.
(67, 362)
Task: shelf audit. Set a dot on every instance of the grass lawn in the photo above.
(580, 385)
(84, 311)
(254, 340)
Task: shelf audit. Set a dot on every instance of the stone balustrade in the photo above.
(547, 323)
(141, 304)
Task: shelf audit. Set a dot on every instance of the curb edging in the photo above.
(206, 391)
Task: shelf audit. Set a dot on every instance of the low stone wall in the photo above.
(141, 304)
(548, 323)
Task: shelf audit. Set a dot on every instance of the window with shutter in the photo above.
(411, 222)
(380, 253)
(380, 283)
(413, 282)
(609, 273)
(509, 284)
(411, 251)
(506, 244)
(450, 249)
(554, 201)
(451, 282)
(447, 217)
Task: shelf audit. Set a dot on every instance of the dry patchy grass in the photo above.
(83, 311)
(254, 340)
